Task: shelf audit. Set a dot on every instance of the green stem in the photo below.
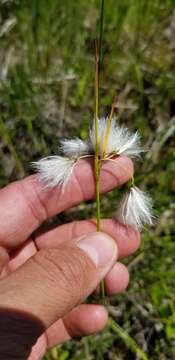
(98, 161)
(127, 339)
(97, 155)
(98, 208)
(101, 33)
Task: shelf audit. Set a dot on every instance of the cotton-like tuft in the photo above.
(120, 140)
(54, 170)
(135, 209)
(75, 148)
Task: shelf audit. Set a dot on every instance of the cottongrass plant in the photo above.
(106, 141)
(135, 209)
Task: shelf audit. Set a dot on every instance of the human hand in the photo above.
(46, 275)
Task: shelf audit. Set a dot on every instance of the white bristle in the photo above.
(135, 209)
(120, 140)
(75, 147)
(54, 170)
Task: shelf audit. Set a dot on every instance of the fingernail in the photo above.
(100, 247)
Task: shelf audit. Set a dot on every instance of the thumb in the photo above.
(54, 281)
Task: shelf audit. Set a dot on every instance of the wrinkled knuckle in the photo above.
(48, 262)
(74, 269)
(68, 268)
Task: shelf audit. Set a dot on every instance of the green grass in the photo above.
(47, 91)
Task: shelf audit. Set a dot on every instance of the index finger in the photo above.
(25, 204)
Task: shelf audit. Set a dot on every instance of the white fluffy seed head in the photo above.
(136, 209)
(75, 147)
(120, 140)
(54, 170)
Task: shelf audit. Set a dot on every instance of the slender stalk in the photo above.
(127, 339)
(97, 162)
(101, 33)
(98, 61)
(54, 353)
(97, 154)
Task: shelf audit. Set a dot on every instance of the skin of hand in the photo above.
(45, 275)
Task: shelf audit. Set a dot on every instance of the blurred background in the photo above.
(47, 92)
